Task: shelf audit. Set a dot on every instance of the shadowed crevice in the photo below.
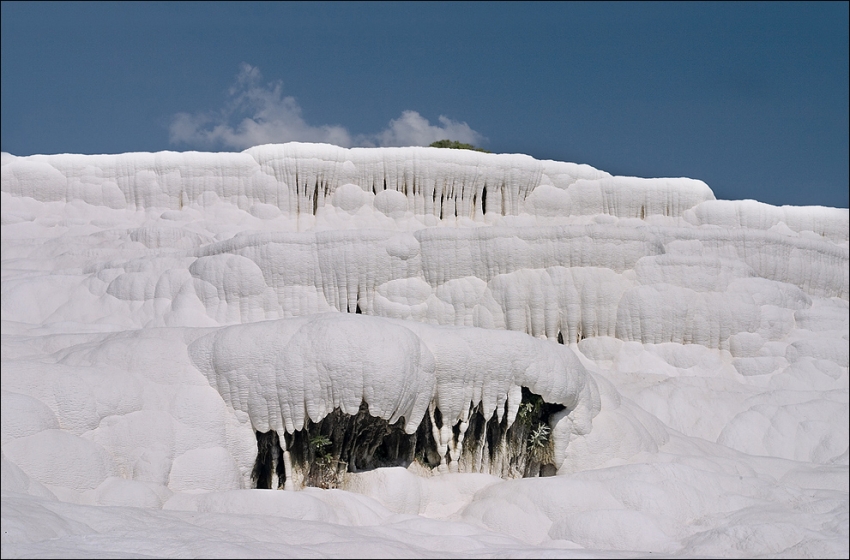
(324, 451)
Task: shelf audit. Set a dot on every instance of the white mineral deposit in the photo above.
(302, 350)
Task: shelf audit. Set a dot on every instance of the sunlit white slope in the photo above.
(299, 179)
(157, 309)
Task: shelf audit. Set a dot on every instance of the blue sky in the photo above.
(752, 98)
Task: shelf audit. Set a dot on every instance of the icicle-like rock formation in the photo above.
(299, 179)
(288, 372)
(559, 261)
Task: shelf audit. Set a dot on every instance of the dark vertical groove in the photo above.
(269, 460)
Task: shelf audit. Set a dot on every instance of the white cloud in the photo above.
(265, 116)
(412, 129)
(270, 118)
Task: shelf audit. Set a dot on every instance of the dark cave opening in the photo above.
(322, 452)
(269, 460)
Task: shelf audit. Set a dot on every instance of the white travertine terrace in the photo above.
(159, 308)
(301, 178)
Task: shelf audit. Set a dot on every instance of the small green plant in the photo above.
(454, 144)
(538, 440)
(320, 444)
(525, 410)
(530, 407)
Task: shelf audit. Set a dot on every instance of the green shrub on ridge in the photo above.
(454, 144)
